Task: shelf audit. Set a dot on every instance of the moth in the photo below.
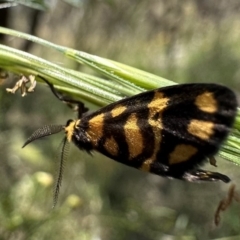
(170, 131)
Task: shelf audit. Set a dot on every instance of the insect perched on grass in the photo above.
(169, 131)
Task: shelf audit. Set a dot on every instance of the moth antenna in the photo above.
(63, 156)
(43, 132)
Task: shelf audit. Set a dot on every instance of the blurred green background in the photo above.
(184, 41)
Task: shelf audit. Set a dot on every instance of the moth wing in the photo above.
(175, 127)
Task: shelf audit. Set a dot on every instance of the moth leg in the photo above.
(201, 175)
(69, 101)
(212, 161)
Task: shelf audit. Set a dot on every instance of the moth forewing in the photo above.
(168, 131)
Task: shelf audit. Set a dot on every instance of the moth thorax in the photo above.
(70, 128)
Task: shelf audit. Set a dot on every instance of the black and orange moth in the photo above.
(169, 131)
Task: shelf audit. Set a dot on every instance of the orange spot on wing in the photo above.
(182, 153)
(156, 106)
(206, 102)
(133, 136)
(95, 129)
(118, 110)
(201, 129)
(111, 146)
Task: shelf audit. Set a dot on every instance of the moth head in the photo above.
(70, 128)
